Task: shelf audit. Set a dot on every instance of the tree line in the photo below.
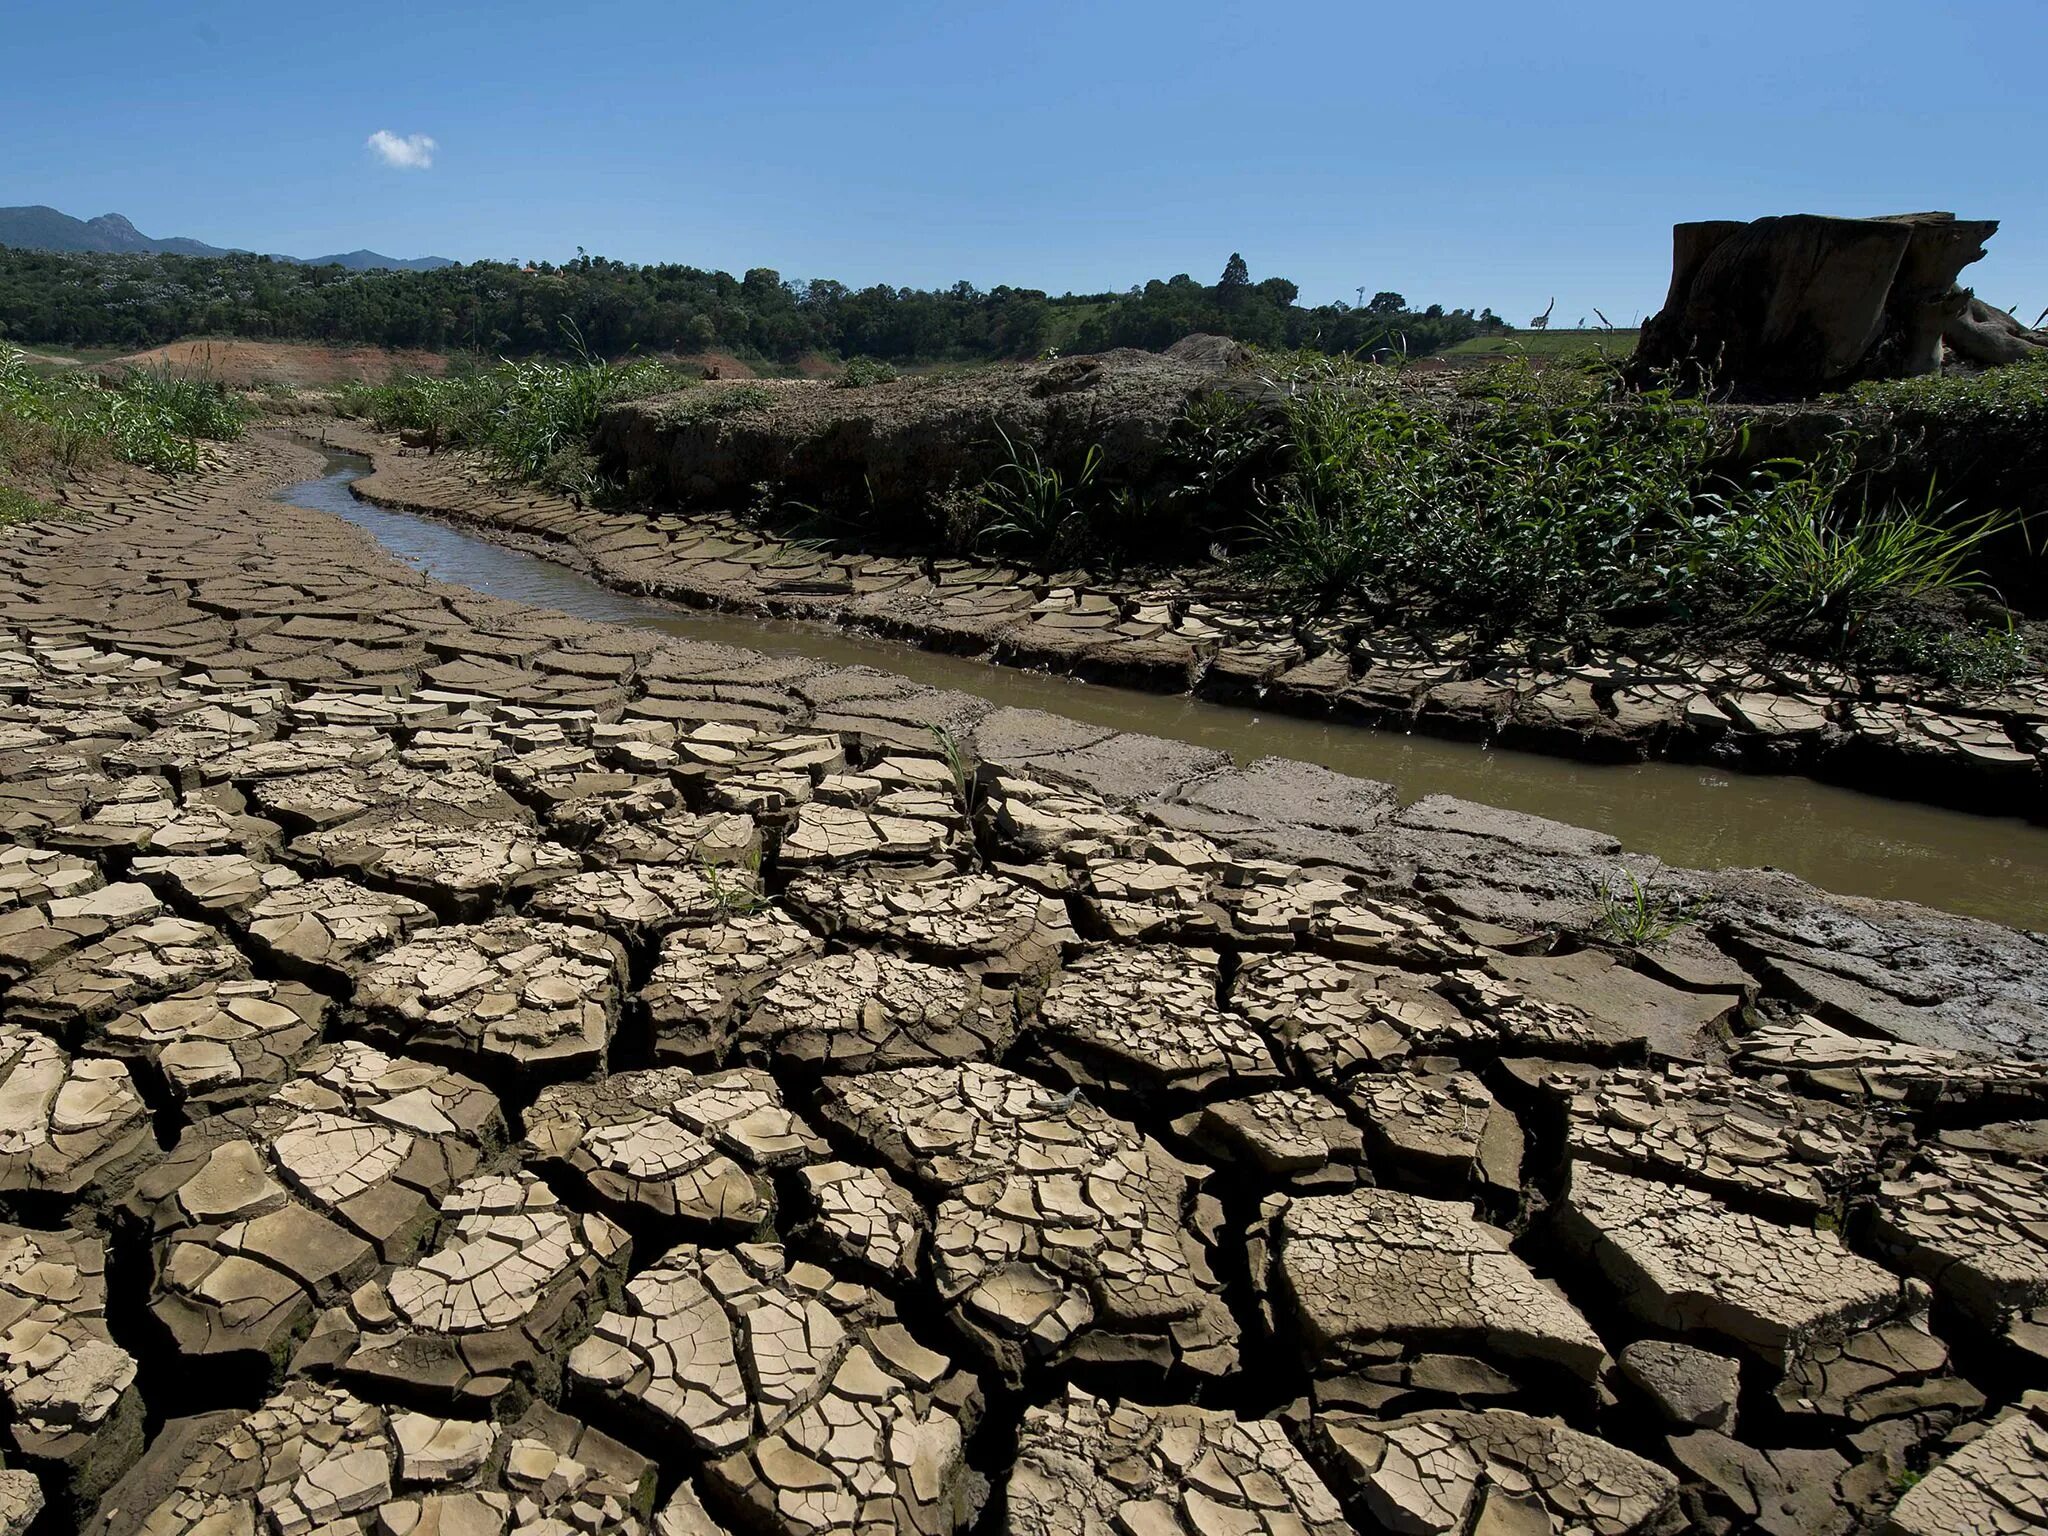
(615, 307)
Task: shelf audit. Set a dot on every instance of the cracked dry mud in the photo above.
(465, 1071)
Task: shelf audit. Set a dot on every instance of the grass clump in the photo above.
(1813, 552)
(1629, 912)
(735, 887)
(55, 426)
(1532, 504)
(860, 372)
(1031, 509)
(1558, 502)
(531, 420)
(1991, 656)
(17, 506)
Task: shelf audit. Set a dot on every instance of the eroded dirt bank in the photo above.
(1982, 751)
(469, 1068)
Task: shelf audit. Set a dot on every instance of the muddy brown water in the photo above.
(1842, 840)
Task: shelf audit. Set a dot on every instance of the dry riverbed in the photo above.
(468, 1068)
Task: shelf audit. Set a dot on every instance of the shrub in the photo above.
(1531, 506)
(1963, 658)
(1806, 557)
(860, 372)
(60, 425)
(17, 506)
(532, 420)
(1031, 510)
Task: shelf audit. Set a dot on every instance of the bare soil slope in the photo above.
(300, 364)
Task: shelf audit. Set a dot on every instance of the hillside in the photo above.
(37, 228)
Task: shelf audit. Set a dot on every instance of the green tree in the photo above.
(1236, 280)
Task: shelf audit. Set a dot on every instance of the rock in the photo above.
(1996, 1483)
(1088, 1465)
(863, 1219)
(262, 1214)
(1290, 1134)
(222, 886)
(1144, 1017)
(1823, 1059)
(510, 994)
(1446, 1472)
(315, 1455)
(1729, 1135)
(668, 1145)
(21, 1500)
(871, 1010)
(1077, 1250)
(69, 1388)
(1375, 1267)
(1442, 1130)
(459, 870)
(132, 966)
(70, 1131)
(1623, 1009)
(1682, 1261)
(1976, 1229)
(495, 1306)
(327, 928)
(806, 1396)
(221, 1044)
(639, 902)
(1001, 930)
(825, 835)
(1690, 1388)
(704, 978)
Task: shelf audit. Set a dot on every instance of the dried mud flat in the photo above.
(468, 1070)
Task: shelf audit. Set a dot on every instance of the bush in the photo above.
(1533, 503)
(1030, 509)
(1963, 658)
(1806, 558)
(17, 506)
(532, 420)
(860, 372)
(60, 425)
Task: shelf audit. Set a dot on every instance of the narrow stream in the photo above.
(1840, 839)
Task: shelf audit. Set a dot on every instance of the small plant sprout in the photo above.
(1630, 912)
(736, 886)
(958, 764)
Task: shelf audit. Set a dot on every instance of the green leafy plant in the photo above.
(61, 424)
(959, 764)
(1808, 557)
(533, 421)
(860, 372)
(17, 506)
(1630, 912)
(1032, 510)
(735, 887)
(1991, 657)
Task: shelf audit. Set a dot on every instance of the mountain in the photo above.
(370, 261)
(45, 229)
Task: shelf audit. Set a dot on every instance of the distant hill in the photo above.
(45, 229)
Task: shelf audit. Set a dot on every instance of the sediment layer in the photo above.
(462, 1067)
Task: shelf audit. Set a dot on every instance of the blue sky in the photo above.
(1462, 152)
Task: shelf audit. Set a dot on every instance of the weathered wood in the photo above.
(1796, 304)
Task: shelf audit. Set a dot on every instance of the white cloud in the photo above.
(402, 151)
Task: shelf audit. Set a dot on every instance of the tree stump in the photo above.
(1792, 306)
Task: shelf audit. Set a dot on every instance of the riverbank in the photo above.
(1030, 1064)
(1488, 865)
(1687, 816)
(1982, 750)
(1025, 1066)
